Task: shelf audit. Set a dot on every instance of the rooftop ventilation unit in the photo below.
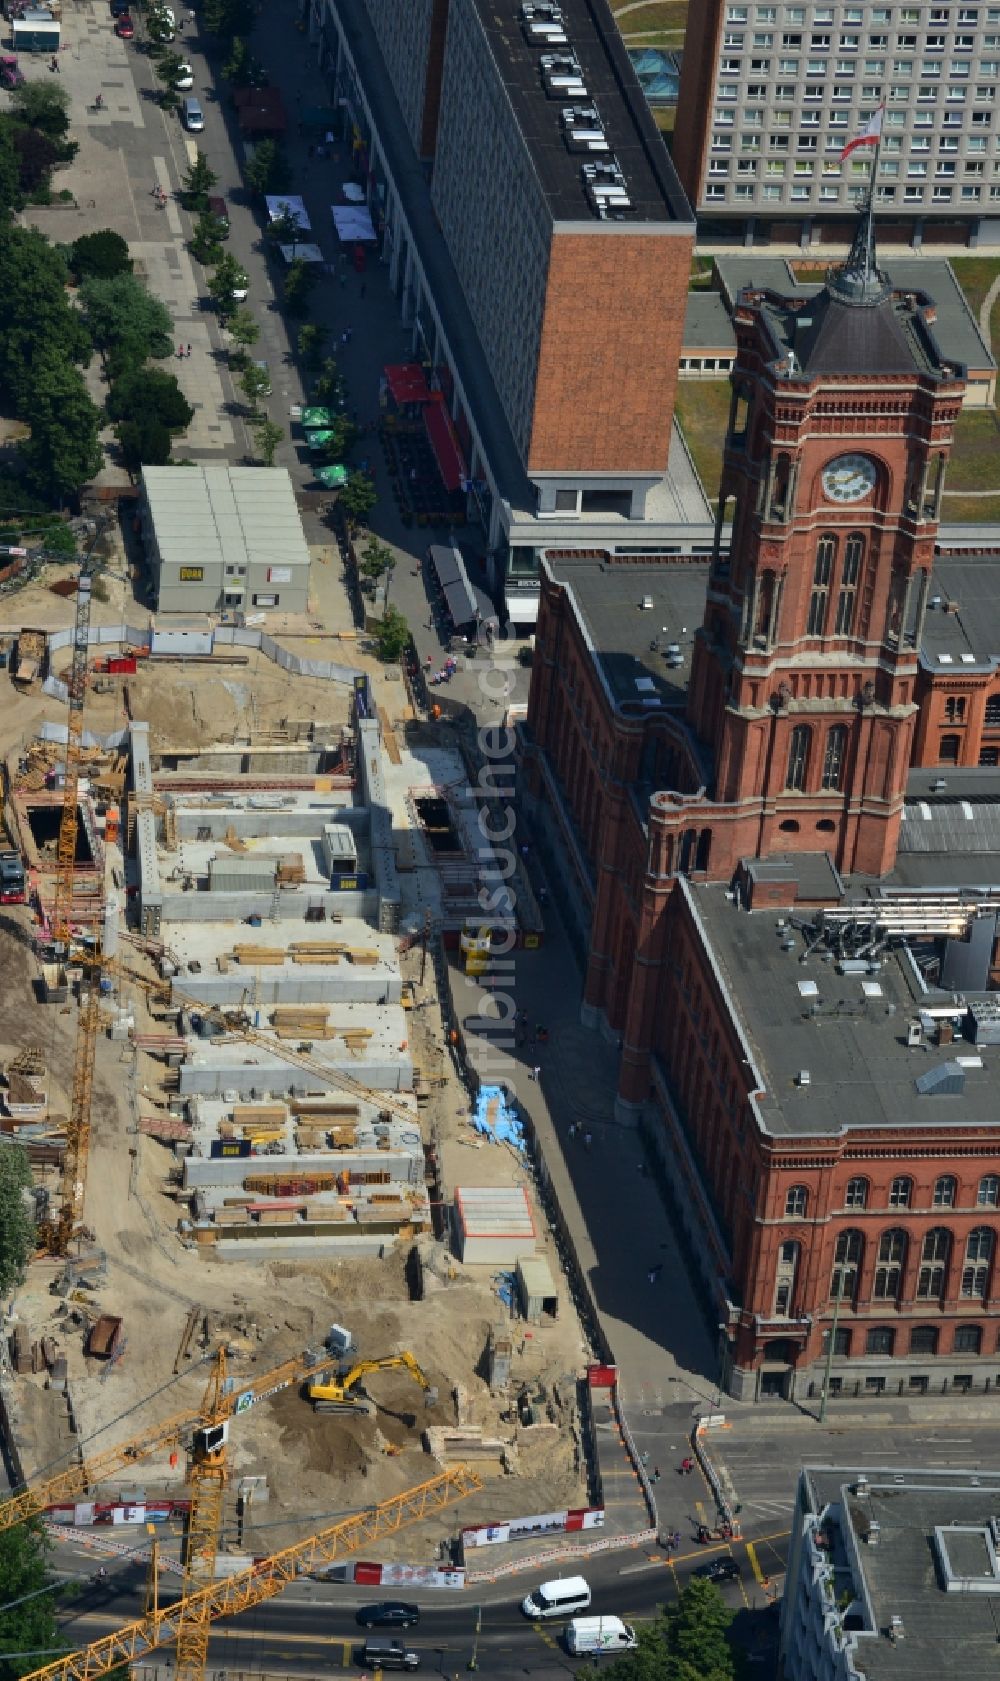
(562, 77)
(583, 130)
(542, 23)
(605, 187)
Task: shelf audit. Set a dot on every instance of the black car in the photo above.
(119, 8)
(389, 1613)
(720, 1570)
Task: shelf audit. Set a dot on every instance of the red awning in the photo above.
(407, 383)
(444, 442)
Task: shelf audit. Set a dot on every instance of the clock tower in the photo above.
(805, 667)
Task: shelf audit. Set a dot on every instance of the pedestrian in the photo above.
(651, 1275)
(656, 1473)
(54, 65)
(536, 1072)
(676, 1538)
(587, 1140)
(180, 352)
(348, 334)
(645, 1459)
(310, 152)
(364, 287)
(188, 351)
(344, 338)
(572, 1129)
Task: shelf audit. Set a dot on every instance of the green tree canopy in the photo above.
(358, 496)
(152, 392)
(254, 384)
(376, 559)
(391, 636)
(120, 312)
(312, 342)
(198, 183)
(35, 313)
(63, 451)
(17, 1232)
(43, 105)
(102, 253)
(267, 437)
(31, 1625)
(10, 173)
(226, 18)
(686, 1643)
(268, 170)
(243, 329)
(37, 155)
(300, 278)
(145, 442)
(230, 276)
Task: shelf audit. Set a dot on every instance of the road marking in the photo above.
(755, 1563)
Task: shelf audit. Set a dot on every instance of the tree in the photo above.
(229, 277)
(37, 155)
(103, 253)
(126, 321)
(284, 229)
(227, 18)
(145, 442)
(391, 636)
(300, 278)
(63, 451)
(243, 329)
(34, 312)
(17, 1232)
(267, 437)
(43, 105)
(696, 1635)
(58, 539)
(29, 1625)
(198, 183)
(358, 496)
(152, 392)
(254, 385)
(237, 66)
(330, 386)
(268, 171)
(159, 28)
(312, 340)
(10, 173)
(205, 244)
(377, 559)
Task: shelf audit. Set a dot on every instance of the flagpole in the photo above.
(870, 232)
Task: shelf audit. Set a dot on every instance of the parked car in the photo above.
(242, 286)
(720, 1570)
(389, 1613)
(120, 8)
(184, 78)
(218, 209)
(193, 117)
(11, 74)
(125, 27)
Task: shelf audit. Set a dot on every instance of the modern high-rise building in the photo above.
(771, 93)
(540, 247)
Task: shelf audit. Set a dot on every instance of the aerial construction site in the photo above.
(264, 1195)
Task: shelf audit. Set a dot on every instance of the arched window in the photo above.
(881, 1339)
(900, 1192)
(826, 549)
(944, 1191)
(968, 1339)
(978, 1256)
(989, 1191)
(798, 757)
(933, 1264)
(833, 758)
(796, 1201)
(854, 549)
(889, 1265)
(856, 1194)
(846, 1266)
(948, 748)
(924, 1339)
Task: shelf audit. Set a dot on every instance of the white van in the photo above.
(562, 1598)
(600, 1634)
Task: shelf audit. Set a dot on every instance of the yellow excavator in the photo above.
(331, 1394)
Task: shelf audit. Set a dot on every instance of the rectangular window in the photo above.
(764, 39)
(266, 600)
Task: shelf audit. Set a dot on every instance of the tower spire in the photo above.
(859, 280)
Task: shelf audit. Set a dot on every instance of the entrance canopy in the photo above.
(449, 569)
(407, 383)
(352, 222)
(444, 442)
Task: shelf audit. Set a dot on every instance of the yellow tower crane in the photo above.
(218, 1405)
(265, 1578)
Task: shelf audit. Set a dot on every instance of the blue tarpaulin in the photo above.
(496, 1117)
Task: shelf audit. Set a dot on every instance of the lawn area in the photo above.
(975, 458)
(970, 510)
(975, 275)
(703, 412)
(648, 17)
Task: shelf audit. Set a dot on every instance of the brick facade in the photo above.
(613, 321)
(692, 127)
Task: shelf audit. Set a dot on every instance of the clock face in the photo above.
(849, 478)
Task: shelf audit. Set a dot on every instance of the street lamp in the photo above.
(838, 1296)
(473, 1662)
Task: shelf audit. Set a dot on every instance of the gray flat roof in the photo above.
(707, 325)
(612, 85)
(861, 1071)
(943, 1633)
(955, 328)
(214, 513)
(970, 635)
(609, 597)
